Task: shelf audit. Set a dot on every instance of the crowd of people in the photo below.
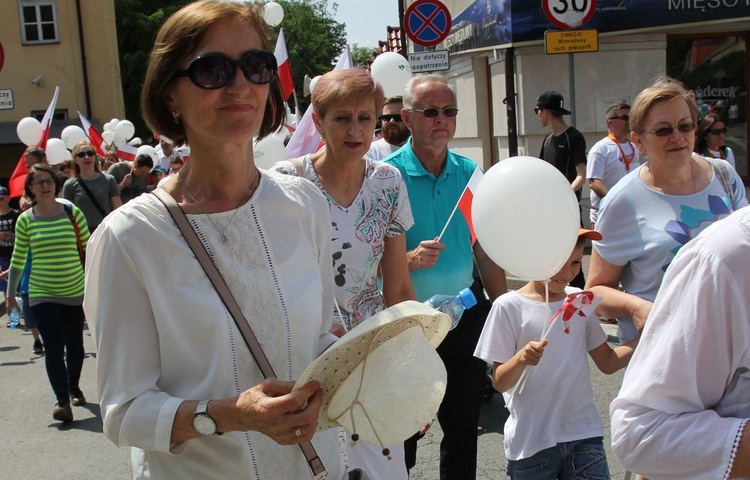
(316, 245)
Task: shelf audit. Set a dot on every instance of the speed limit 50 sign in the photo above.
(569, 13)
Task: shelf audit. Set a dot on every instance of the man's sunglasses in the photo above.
(718, 131)
(395, 117)
(667, 131)
(433, 112)
(621, 117)
(88, 153)
(215, 70)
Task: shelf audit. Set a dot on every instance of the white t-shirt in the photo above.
(686, 392)
(379, 149)
(381, 209)
(729, 154)
(557, 403)
(605, 163)
(643, 229)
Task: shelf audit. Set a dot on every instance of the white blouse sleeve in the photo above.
(684, 399)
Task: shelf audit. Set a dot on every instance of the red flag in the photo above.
(464, 203)
(284, 71)
(94, 137)
(18, 177)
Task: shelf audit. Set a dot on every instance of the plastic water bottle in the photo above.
(14, 316)
(453, 305)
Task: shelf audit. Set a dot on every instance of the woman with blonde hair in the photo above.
(656, 209)
(90, 189)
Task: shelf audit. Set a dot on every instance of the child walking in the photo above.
(554, 430)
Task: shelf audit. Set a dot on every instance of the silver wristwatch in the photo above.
(202, 422)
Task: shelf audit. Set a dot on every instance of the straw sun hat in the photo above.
(383, 380)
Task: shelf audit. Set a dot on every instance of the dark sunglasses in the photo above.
(433, 112)
(621, 117)
(215, 70)
(395, 117)
(88, 153)
(718, 131)
(46, 181)
(667, 131)
(536, 110)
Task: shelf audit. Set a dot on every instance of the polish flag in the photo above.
(94, 137)
(306, 138)
(284, 71)
(464, 203)
(127, 152)
(18, 177)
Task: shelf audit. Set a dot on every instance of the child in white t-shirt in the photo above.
(554, 430)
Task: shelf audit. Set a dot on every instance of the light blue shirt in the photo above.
(432, 201)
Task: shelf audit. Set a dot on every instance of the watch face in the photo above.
(204, 425)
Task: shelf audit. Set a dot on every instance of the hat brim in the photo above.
(589, 234)
(384, 338)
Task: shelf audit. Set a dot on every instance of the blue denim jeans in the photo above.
(577, 460)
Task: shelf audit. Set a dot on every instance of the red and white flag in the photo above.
(95, 137)
(464, 203)
(18, 177)
(284, 71)
(306, 138)
(127, 152)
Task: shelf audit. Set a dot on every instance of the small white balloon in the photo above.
(147, 150)
(30, 131)
(71, 135)
(392, 71)
(111, 125)
(135, 142)
(269, 151)
(273, 13)
(56, 151)
(125, 130)
(314, 82)
(108, 136)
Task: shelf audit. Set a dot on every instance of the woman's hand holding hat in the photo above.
(272, 408)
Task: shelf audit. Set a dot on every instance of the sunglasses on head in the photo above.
(433, 112)
(396, 117)
(215, 70)
(88, 153)
(667, 131)
(718, 131)
(46, 181)
(621, 117)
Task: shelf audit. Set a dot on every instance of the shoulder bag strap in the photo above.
(91, 196)
(316, 464)
(722, 173)
(81, 251)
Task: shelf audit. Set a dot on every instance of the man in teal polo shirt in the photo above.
(435, 178)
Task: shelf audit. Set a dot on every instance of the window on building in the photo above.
(38, 21)
(59, 114)
(715, 68)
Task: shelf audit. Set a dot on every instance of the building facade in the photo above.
(47, 43)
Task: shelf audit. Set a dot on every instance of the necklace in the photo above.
(223, 232)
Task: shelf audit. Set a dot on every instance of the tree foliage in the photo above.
(362, 56)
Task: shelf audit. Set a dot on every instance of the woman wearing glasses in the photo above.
(370, 212)
(52, 236)
(659, 207)
(91, 190)
(709, 139)
(176, 380)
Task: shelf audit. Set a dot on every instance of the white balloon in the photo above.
(273, 13)
(269, 151)
(392, 71)
(56, 151)
(135, 142)
(119, 142)
(125, 130)
(147, 150)
(314, 82)
(526, 217)
(111, 125)
(71, 135)
(108, 136)
(30, 131)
